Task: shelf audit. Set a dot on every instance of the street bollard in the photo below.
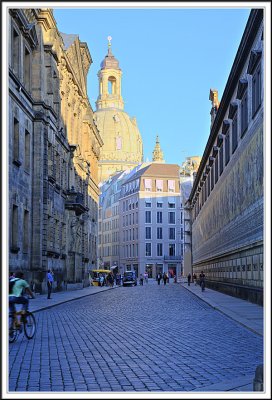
(258, 380)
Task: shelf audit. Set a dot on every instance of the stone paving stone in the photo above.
(105, 351)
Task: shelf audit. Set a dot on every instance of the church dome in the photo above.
(123, 147)
(121, 136)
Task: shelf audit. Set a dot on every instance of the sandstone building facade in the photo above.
(123, 147)
(227, 196)
(54, 148)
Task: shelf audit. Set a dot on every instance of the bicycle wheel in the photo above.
(29, 325)
(13, 333)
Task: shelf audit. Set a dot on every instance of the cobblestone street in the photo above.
(143, 338)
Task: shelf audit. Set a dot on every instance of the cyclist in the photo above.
(16, 297)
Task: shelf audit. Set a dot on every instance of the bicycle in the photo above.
(26, 323)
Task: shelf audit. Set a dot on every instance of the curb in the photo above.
(72, 299)
(224, 313)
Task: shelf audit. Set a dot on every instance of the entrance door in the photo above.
(159, 268)
(172, 270)
(135, 267)
(148, 268)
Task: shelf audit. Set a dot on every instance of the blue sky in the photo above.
(170, 59)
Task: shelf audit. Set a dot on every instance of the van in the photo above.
(129, 278)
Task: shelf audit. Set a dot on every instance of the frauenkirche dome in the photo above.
(123, 147)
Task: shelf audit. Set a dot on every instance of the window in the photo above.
(172, 249)
(25, 231)
(159, 233)
(171, 205)
(14, 228)
(16, 149)
(172, 233)
(148, 217)
(148, 232)
(234, 133)
(227, 148)
(159, 205)
(171, 185)
(27, 67)
(215, 170)
(256, 90)
(221, 159)
(148, 249)
(159, 185)
(15, 51)
(159, 249)
(148, 204)
(171, 217)
(159, 217)
(244, 114)
(111, 85)
(147, 185)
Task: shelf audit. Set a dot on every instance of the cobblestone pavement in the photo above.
(143, 338)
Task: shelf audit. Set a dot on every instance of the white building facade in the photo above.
(151, 221)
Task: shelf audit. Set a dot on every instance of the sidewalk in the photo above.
(245, 313)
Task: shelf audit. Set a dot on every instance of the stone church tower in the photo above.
(123, 147)
(157, 152)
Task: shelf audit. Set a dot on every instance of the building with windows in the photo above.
(108, 222)
(123, 147)
(150, 220)
(54, 149)
(226, 200)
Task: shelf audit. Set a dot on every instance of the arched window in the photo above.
(112, 85)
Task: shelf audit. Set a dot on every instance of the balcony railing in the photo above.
(75, 201)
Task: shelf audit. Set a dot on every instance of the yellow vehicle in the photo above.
(95, 274)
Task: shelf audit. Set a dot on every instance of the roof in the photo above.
(110, 61)
(154, 169)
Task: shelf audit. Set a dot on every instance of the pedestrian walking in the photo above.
(195, 279)
(202, 281)
(50, 279)
(146, 277)
(101, 279)
(164, 277)
(110, 280)
(159, 277)
(189, 279)
(141, 280)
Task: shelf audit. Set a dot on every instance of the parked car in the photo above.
(129, 278)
